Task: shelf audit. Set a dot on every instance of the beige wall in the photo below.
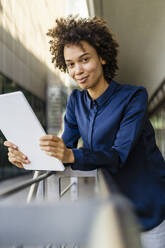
(140, 28)
(24, 48)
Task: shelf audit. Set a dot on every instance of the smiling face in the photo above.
(84, 65)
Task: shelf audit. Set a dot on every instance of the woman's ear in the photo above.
(103, 62)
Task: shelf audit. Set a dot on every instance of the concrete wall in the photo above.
(24, 49)
(140, 28)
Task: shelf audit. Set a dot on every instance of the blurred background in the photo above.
(25, 61)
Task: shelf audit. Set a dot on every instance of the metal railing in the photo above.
(157, 99)
(14, 189)
(105, 221)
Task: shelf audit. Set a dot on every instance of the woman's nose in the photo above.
(78, 69)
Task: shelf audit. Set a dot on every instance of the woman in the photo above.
(111, 119)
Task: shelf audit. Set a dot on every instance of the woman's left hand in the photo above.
(54, 146)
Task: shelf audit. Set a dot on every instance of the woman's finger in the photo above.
(55, 150)
(49, 148)
(49, 137)
(48, 143)
(18, 164)
(18, 159)
(17, 153)
(19, 156)
(10, 144)
(55, 154)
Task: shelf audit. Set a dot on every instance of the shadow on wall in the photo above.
(1, 7)
(21, 65)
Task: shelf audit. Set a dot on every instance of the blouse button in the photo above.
(95, 106)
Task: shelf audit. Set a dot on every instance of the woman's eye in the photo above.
(70, 65)
(85, 59)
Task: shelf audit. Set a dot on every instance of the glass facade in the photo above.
(38, 106)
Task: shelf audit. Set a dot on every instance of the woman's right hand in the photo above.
(16, 157)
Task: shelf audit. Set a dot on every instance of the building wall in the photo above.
(24, 46)
(139, 27)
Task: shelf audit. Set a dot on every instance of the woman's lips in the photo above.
(82, 80)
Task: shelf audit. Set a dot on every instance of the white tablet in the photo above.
(20, 125)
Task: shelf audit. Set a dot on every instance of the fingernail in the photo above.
(24, 156)
(15, 147)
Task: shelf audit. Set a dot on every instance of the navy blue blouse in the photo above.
(118, 135)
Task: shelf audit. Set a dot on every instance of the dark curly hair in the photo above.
(94, 30)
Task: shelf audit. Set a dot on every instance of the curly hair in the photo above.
(94, 30)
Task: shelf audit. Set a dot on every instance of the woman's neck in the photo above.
(98, 90)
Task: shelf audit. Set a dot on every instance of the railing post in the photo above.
(33, 188)
(74, 188)
(53, 188)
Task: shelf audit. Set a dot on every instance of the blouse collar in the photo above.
(101, 100)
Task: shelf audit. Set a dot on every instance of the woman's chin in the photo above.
(83, 86)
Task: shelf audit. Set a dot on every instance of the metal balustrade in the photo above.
(104, 221)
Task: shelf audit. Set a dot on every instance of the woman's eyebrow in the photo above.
(84, 54)
(68, 60)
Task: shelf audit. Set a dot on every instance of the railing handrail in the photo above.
(107, 186)
(27, 183)
(38, 177)
(106, 183)
(108, 210)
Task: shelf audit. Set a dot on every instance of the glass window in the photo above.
(7, 85)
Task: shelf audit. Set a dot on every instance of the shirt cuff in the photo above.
(78, 159)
